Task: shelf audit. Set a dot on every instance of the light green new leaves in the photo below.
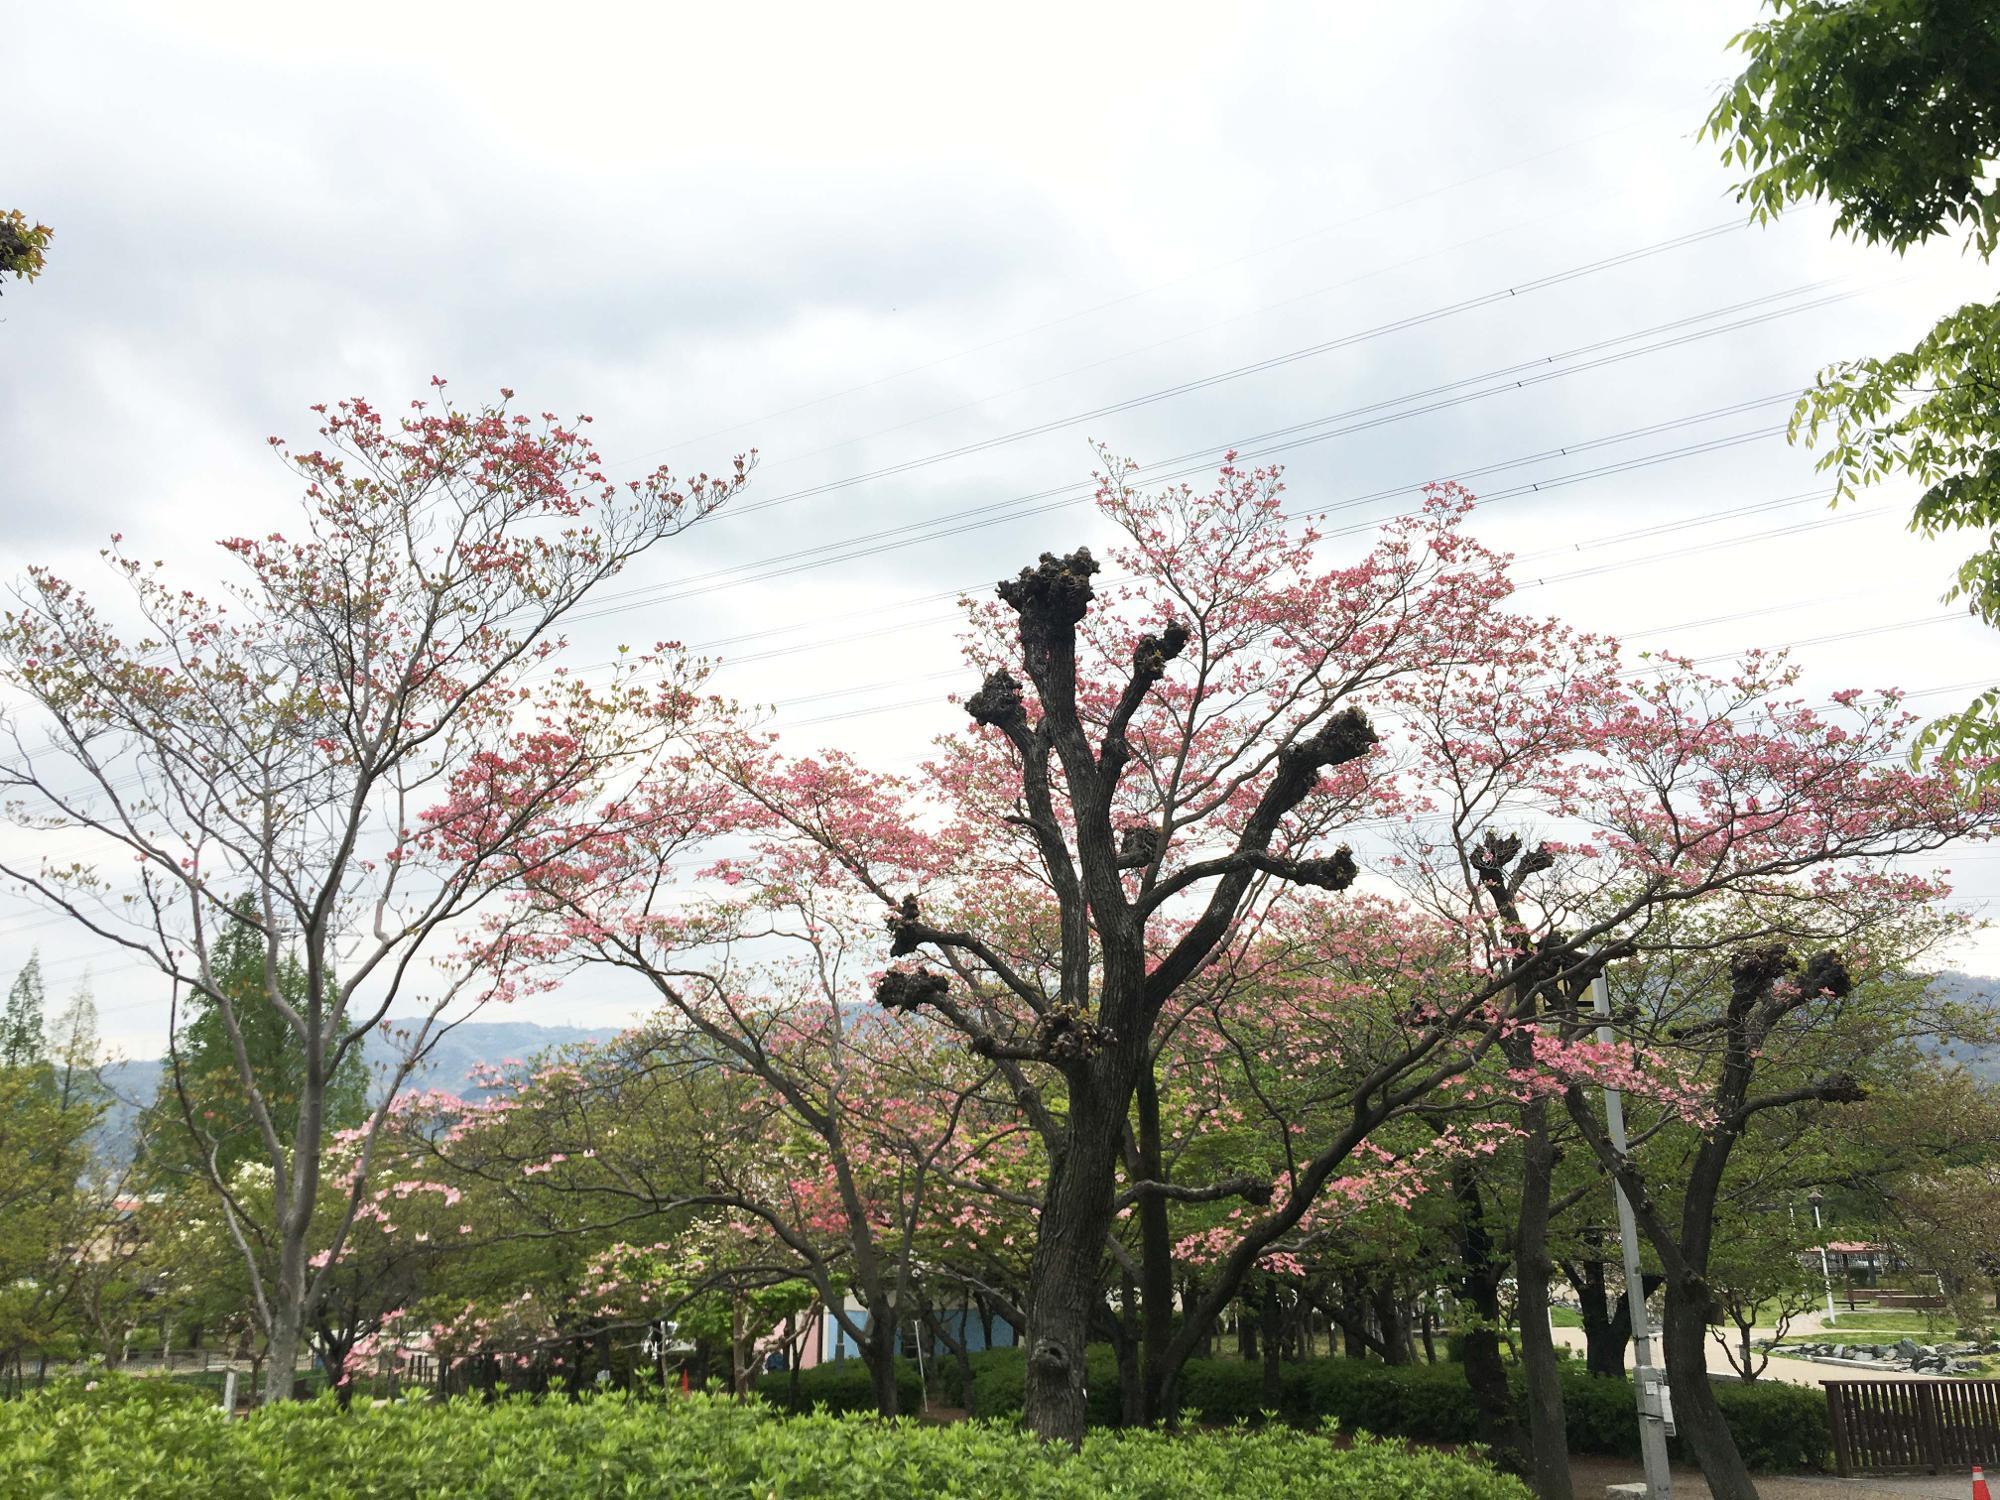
(126, 1439)
(1890, 110)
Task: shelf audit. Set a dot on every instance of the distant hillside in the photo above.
(449, 1067)
(1979, 991)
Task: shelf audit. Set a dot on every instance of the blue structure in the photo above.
(964, 1323)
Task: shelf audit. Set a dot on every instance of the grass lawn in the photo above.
(1940, 1321)
(1565, 1317)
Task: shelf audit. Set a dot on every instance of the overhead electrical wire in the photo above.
(1159, 286)
(955, 523)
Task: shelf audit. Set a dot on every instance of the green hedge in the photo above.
(131, 1441)
(1778, 1428)
(840, 1386)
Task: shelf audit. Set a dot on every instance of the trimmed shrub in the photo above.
(1778, 1428)
(700, 1445)
(839, 1386)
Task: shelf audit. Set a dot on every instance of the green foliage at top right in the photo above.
(1890, 109)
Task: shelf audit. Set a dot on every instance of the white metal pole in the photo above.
(1656, 1411)
(1825, 1275)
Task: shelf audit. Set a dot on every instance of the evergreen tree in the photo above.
(21, 1043)
(72, 1049)
(217, 1116)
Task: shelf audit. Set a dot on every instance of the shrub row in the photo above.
(1779, 1428)
(126, 1439)
(840, 1387)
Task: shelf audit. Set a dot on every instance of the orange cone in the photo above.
(1979, 1490)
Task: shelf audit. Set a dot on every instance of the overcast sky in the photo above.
(859, 238)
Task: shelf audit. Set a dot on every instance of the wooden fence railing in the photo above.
(1913, 1426)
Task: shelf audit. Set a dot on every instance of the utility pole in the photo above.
(1656, 1406)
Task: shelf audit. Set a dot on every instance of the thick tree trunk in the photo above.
(1747, 1354)
(879, 1354)
(1603, 1341)
(1607, 1316)
(1357, 1342)
(334, 1352)
(1274, 1375)
(1125, 1344)
(1156, 1254)
(1205, 1346)
(1685, 1334)
(1398, 1348)
(1548, 1441)
(281, 1357)
(957, 1344)
(1485, 1373)
(1063, 1278)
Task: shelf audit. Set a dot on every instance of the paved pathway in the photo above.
(1594, 1475)
(1804, 1372)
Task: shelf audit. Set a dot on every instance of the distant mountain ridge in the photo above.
(1982, 1062)
(465, 1048)
(450, 1067)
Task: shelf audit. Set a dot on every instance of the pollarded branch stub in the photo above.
(1151, 655)
(1752, 971)
(1825, 974)
(998, 701)
(1137, 845)
(1065, 1034)
(1842, 1088)
(1335, 872)
(906, 989)
(1055, 592)
(903, 939)
(1069, 1035)
(1346, 736)
(1494, 852)
(1051, 1360)
(1534, 861)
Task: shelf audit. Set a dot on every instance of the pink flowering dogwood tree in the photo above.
(796, 1104)
(1160, 762)
(369, 732)
(1155, 762)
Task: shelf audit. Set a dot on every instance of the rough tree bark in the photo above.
(1607, 1316)
(1548, 1439)
(1272, 1313)
(1480, 1266)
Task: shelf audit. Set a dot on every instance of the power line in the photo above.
(1486, 497)
(1487, 500)
(1238, 372)
(1159, 286)
(955, 523)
